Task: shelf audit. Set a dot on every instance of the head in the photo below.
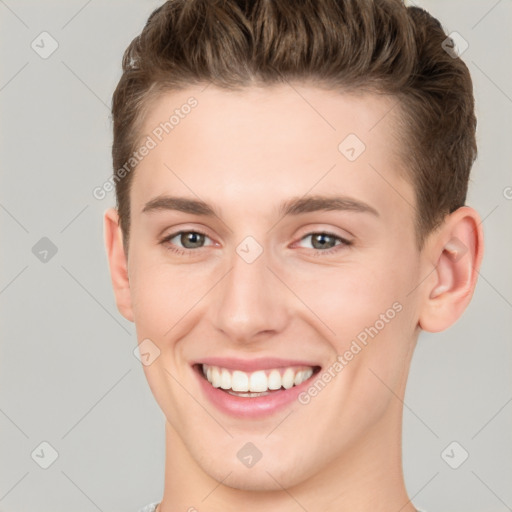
(345, 118)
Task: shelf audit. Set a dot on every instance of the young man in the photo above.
(291, 181)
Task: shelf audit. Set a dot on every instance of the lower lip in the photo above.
(256, 407)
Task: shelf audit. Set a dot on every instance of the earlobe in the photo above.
(456, 253)
(118, 263)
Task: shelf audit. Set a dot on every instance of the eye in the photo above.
(189, 241)
(325, 242)
(183, 242)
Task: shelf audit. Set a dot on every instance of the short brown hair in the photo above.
(348, 45)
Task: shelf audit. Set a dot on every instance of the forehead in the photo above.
(261, 142)
(288, 111)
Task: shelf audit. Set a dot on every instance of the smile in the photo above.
(259, 383)
(252, 389)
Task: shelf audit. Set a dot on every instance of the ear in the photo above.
(455, 251)
(118, 263)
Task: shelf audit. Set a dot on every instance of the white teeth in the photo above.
(215, 377)
(257, 383)
(302, 376)
(274, 380)
(288, 378)
(225, 379)
(239, 381)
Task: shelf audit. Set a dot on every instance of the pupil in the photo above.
(193, 238)
(320, 237)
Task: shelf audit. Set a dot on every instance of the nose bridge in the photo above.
(248, 299)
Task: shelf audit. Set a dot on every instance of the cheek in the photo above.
(161, 295)
(348, 298)
(363, 310)
(153, 304)
(163, 309)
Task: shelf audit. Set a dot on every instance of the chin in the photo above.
(264, 476)
(246, 480)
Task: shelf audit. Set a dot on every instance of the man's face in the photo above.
(275, 296)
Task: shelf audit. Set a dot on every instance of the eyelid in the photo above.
(179, 227)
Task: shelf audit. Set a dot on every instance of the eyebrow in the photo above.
(294, 206)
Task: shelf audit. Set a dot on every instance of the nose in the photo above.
(251, 302)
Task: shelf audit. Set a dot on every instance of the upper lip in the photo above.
(249, 365)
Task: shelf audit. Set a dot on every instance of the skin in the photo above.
(244, 153)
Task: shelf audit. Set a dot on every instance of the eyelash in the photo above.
(189, 252)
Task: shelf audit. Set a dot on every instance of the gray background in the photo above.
(68, 375)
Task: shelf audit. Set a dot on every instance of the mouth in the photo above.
(258, 383)
(237, 390)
